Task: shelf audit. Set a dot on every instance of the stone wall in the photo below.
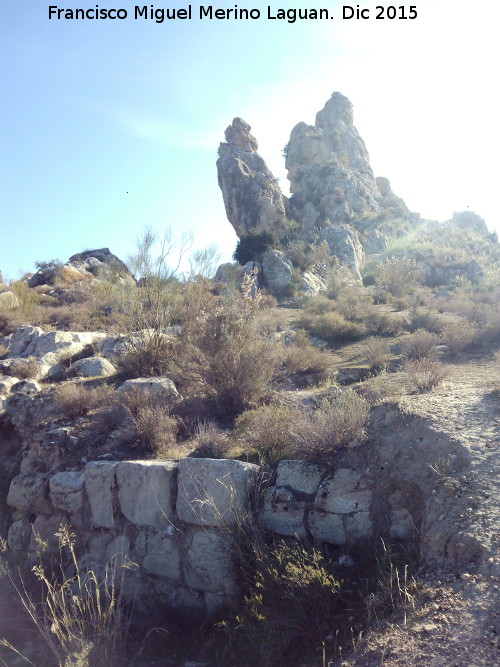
(171, 518)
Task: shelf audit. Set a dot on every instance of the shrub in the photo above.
(336, 423)
(251, 247)
(377, 353)
(24, 368)
(332, 327)
(149, 355)
(425, 320)
(156, 432)
(424, 374)
(210, 441)
(459, 336)
(75, 400)
(304, 360)
(420, 344)
(382, 324)
(381, 388)
(268, 430)
(396, 274)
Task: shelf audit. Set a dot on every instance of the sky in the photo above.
(108, 126)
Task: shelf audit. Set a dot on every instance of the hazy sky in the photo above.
(108, 126)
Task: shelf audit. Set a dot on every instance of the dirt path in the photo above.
(458, 621)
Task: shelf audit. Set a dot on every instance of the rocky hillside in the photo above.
(312, 429)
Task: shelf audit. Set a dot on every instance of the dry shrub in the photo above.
(382, 324)
(396, 274)
(381, 388)
(156, 432)
(304, 360)
(210, 441)
(353, 303)
(24, 369)
(320, 304)
(377, 353)
(149, 355)
(339, 421)
(420, 344)
(75, 400)
(459, 336)
(425, 320)
(424, 374)
(268, 430)
(332, 327)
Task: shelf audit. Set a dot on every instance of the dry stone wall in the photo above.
(173, 519)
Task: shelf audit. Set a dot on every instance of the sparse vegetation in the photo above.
(75, 399)
(425, 373)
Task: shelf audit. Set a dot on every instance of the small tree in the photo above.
(252, 246)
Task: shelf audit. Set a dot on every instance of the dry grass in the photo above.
(268, 430)
(331, 327)
(156, 433)
(304, 360)
(75, 400)
(210, 441)
(82, 617)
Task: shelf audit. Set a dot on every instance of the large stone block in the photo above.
(343, 493)
(213, 492)
(358, 527)
(326, 527)
(156, 385)
(29, 494)
(66, 491)
(283, 513)
(146, 491)
(162, 556)
(100, 483)
(300, 476)
(208, 566)
(19, 535)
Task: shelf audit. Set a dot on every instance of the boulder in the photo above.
(343, 244)
(161, 554)
(29, 494)
(311, 285)
(208, 566)
(276, 270)
(154, 385)
(213, 492)
(94, 367)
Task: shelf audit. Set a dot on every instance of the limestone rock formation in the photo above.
(329, 169)
(252, 197)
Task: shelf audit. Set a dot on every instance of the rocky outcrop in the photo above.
(343, 244)
(82, 266)
(252, 197)
(329, 169)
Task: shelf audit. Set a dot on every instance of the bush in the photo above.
(424, 374)
(268, 430)
(75, 400)
(156, 432)
(24, 369)
(396, 274)
(332, 327)
(210, 441)
(290, 598)
(420, 344)
(251, 247)
(425, 320)
(304, 361)
(382, 324)
(377, 353)
(459, 336)
(338, 422)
